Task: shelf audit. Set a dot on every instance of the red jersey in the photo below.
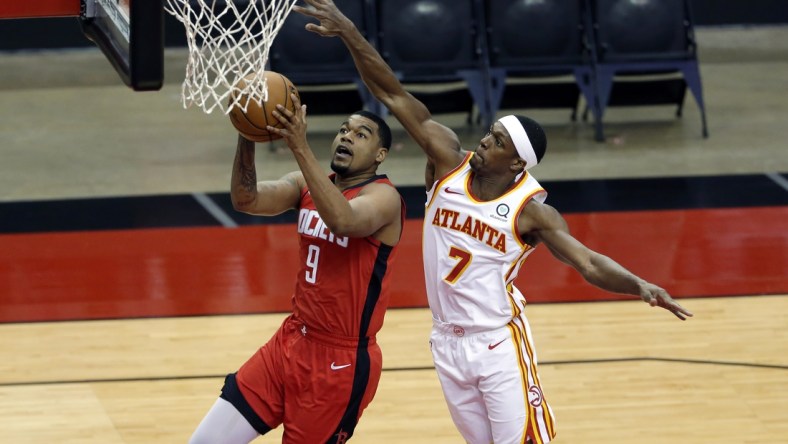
(342, 286)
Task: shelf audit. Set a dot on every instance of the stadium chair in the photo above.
(321, 67)
(541, 55)
(434, 48)
(646, 53)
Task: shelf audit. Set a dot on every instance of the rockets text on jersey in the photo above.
(310, 224)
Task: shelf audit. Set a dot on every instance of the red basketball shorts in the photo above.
(315, 384)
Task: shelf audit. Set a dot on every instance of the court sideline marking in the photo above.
(778, 179)
(401, 369)
(215, 211)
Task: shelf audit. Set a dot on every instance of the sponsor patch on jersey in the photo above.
(501, 213)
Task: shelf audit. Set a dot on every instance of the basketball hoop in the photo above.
(228, 42)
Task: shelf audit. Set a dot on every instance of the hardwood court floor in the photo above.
(616, 372)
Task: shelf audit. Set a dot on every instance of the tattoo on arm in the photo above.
(244, 177)
(248, 178)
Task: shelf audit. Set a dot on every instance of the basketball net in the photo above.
(228, 42)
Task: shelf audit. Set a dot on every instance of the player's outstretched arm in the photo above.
(439, 142)
(266, 198)
(549, 227)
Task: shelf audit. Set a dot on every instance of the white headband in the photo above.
(521, 141)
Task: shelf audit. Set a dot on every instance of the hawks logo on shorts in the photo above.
(535, 396)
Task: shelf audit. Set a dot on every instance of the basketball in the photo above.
(251, 124)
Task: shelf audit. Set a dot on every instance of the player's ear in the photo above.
(517, 166)
(381, 155)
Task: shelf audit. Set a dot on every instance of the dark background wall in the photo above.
(739, 12)
(65, 32)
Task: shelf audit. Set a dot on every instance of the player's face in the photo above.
(356, 146)
(495, 153)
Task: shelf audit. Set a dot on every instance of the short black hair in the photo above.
(383, 128)
(535, 134)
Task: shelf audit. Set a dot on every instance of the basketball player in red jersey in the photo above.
(321, 368)
(484, 215)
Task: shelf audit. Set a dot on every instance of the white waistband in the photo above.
(458, 330)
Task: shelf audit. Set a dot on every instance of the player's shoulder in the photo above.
(296, 178)
(539, 215)
(382, 187)
(458, 161)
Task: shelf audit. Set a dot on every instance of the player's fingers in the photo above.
(296, 100)
(676, 309)
(317, 29)
(284, 111)
(284, 120)
(302, 10)
(275, 130)
(310, 10)
(302, 109)
(683, 310)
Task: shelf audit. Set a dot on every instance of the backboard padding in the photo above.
(40, 8)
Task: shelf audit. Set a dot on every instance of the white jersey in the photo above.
(472, 251)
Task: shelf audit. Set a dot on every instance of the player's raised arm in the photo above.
(376, 209)
(266, 198)
(440, 143)
(546, 225)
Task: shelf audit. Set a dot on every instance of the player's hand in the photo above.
(332, 21)
(658, 297)
(294, 131)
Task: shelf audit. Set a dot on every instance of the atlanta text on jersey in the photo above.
(463, 223)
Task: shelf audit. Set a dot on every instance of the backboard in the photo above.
(130, 33)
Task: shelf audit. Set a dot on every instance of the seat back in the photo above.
(526, 34)
(428, 39)
(306, 57)
(629, 30)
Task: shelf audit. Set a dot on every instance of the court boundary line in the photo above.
(214, 210)
(421, 368)
(778, 179)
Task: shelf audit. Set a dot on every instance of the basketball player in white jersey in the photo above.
(484, 215)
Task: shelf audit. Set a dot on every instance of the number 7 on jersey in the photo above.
(463, 260)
